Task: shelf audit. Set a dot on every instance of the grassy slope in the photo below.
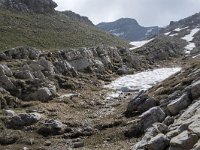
(49, 31)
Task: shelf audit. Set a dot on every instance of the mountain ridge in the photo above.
(129, 29)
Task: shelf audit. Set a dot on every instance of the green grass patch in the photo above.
(49, 32)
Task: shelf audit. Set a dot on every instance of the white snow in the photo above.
(189, 38)
(189, 47)
(184, 28)
(141, 81)
(196, 56)
(113, 95)
(138, 44)
(173, 34)
(177, 29)
(167, 33)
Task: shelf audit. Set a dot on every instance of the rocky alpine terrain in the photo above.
(98, 93)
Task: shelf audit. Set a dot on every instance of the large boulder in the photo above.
(24, 75)
(43, 94)
(153, 115)
(195, 89)
(152, 137)
(183, 141)
(196, 146)
(62, 67)
(145, 121)
(178, 104)
(4, 70)
(141, 103)
(159, 142)
(52, 127)
(6, 83)
(195, 127)
(47, 65)
(21, 53)
(24, 119)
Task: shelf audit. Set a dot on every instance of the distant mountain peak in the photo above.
(129, 29)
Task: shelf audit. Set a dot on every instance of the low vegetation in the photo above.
(49, 31)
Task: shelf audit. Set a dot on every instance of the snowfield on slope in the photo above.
(141, 81)
(138, 44)
(189, 38)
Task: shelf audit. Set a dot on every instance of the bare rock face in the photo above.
(36, 6)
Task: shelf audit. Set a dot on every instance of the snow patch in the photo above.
(173, 34)
(177, 29)
(141, 81)
(196, 56)
(113, 95)
(189, 47)
(189, 38)
(167, 33)
(138, 44)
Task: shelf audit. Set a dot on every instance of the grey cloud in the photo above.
(147, 12)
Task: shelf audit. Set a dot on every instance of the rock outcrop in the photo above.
(36, 6)
(179, 111)
(76, 17)
(36, 75)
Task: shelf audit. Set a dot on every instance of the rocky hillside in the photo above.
(186, 29)
(53, 97)
(38, 25)
(36, 6)
(168, 113)
(77, 17)
(43, 94)
(129, 29)
(161, 48)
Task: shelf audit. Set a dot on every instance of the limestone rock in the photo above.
(141, 103)
(178, 104)
(195, 89)
(195, 127)
(22, 52)
(51, 127)
(153, 115)
(4, 70)
(6, 83)
(24, 75)
(196, 146)
(9, 113)
(183, 141)
(168, 120)
(43, 94)
(159, 142)
(24, 119)
(37, 6)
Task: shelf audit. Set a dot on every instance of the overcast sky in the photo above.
(146, 12)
